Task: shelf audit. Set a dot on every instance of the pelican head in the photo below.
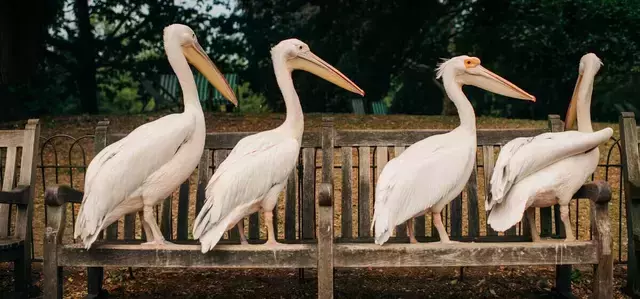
(298, 56)
(468, 71)
(186, 38)
(589, 66)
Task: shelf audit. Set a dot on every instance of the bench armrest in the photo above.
(61, 194)
(325, 196)
(55, 199)
(18, 196)
(598, 192)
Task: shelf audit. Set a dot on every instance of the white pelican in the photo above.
(432, 172)
(548, 169)
(138, 171)
(252, 176)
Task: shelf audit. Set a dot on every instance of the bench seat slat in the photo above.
(222, 256)
(554, 252)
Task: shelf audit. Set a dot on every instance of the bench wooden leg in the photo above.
(21, 277)
(95, 276)
(563, 280)
(325, 243)
(603, 276)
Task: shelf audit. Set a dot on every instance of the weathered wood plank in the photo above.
(465, 254)
(364, 187)
(53, 234)
(546, 222)
(182, 232)
(11, 138)
(7, 185)
(325, 214)
(630, 159)
(19, 196)
(130, 226)
(456, 216)
(325, 241)
(327, 150)
(24, 213)
(227, 140)
(166, 218)
(222, 256)
(291, 205)
(603, 276)
(346, 230)
(203, 178)
(409, 137)
(473, 214)
(488, 164)
(308, 192)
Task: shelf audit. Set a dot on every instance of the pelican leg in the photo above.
(243, 238)
(158, 238)
(442, 232)
(268, 218)
(531, 214)
(410, 232)
(564, 215)
(147, 229)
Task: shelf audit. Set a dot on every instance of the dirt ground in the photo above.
(479, 282)
(387, 283)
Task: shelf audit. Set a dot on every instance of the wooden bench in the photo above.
(362, 156)
(629, 132)
(349, 160)
(15, 238)
(120, 246)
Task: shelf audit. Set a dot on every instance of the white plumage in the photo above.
(142, 168)
(250, 179)
(549, 168)
(256, 170)
(432, 172)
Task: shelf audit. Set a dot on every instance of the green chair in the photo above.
(169, 87)
(357, 106)
(379, 108)
(217, 100)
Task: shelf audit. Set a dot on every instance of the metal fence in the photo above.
(64, 159)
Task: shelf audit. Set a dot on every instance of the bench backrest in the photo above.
(298, 205)
(17, 168)
(356, 159)
(364, 153)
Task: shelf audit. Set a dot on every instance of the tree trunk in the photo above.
(86, 54)
(20, 41)
(21, 50)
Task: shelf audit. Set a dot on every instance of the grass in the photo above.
(82, 125)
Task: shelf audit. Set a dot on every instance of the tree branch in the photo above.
(122, 21)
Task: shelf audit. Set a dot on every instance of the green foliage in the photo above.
(249, 101)
(389, 48)
(373, 43)
(538, 45)
(120, 95)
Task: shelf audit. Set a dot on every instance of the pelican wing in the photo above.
(416, 181)
(254, 166)
(522, 156)
(121, 168)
